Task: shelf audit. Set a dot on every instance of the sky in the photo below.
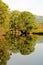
(33, 6)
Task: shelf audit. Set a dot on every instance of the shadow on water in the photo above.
(12, 43)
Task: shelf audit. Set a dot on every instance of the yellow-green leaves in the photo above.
(4, 16)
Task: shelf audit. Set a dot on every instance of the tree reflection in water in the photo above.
(16, 44)
(23, 44)
(4, 53)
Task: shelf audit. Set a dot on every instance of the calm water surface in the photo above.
(35, 58)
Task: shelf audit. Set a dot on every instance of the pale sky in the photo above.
(33, 6)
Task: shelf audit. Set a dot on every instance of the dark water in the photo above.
(22, 51)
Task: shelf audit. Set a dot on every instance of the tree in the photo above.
(27, 21)
(23, 21)
(4, 16)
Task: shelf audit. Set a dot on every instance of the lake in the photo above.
(35, 58)
(25, 51)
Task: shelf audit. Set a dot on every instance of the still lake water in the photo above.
(35, 58)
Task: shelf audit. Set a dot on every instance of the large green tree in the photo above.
(23, 21)
(27, 21)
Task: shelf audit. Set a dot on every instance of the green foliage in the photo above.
(15, 27)
(23, 21)
(26, 45)
(23, 44)
(4, 53)
(14, 19)
(26, 21)
(4, 16)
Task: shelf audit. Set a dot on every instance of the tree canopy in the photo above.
(4, 16)
(23, 21)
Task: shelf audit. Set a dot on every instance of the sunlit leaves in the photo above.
(4, 16)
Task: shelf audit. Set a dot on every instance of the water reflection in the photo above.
(24, 45)
(4, 53)
(35, 58)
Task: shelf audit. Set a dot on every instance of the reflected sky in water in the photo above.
(36, 58)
